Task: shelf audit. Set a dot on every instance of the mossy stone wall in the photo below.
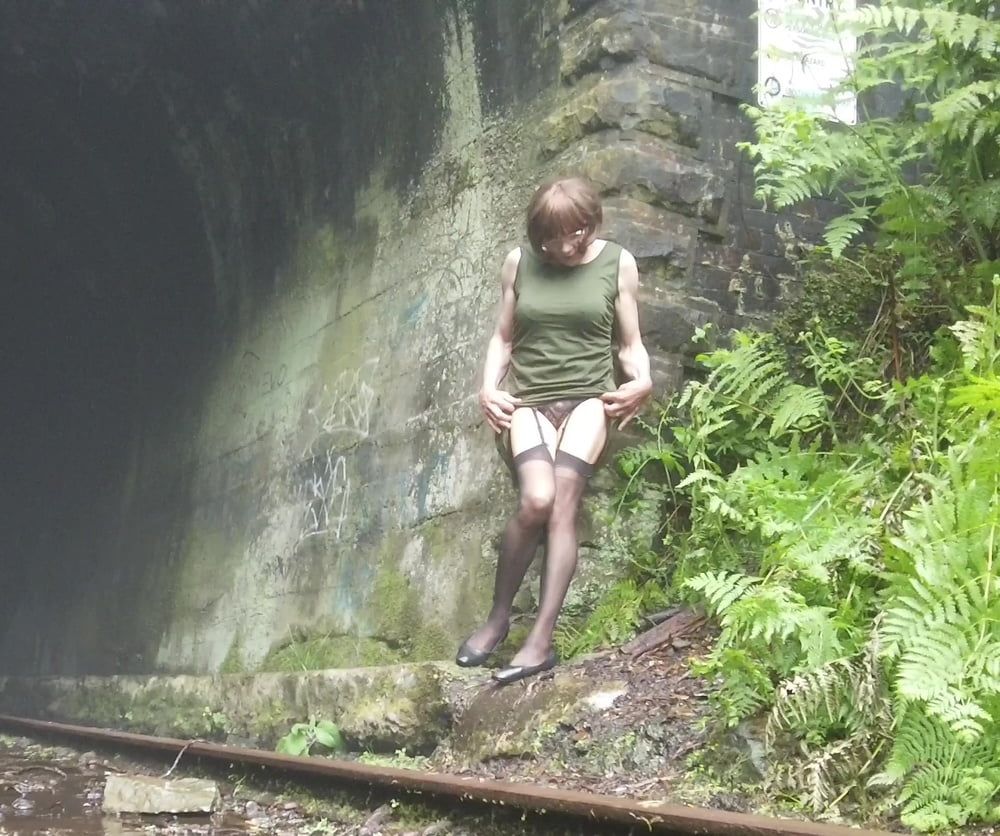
(316, 486)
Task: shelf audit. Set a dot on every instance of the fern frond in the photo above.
(745, 686)
(721, 589)
(843, 229)
(981, 395)
(957, 114)
(948, 27)
(945, 780)
(798, 407)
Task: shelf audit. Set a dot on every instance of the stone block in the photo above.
(650, 232)
(151, 795)
(638, 165)
(668, 324)
(646, 98)
(669, 37)
(510, 722)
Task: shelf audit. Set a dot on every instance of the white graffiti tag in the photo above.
(344, 412)
(327, 499)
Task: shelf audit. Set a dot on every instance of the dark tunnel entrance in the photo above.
(250, 252)
(107, 290)
(157, 160)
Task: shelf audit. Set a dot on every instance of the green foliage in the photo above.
(626, 580)
(837, 714)
(304, 738)
(949, 781)
(614, 620)
(831, 492)
(943, 607)
(325, 651)
(848, 558)
(919, 185)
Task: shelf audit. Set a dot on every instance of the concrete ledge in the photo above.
(378, 709)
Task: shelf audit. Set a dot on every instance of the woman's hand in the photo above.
(498, 407)
(627, 400)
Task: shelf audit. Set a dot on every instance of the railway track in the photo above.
(643, 816)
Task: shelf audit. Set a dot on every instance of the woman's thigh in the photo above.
(585, 431)
(529, 429)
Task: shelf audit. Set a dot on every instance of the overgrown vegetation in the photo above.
(316, 735)
(830, 491)
(322, 651)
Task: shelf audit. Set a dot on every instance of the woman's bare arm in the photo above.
(496, 404)
(628, 399)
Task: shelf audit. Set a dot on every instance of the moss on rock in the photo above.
(328, 652)
(506, 723)
(233, 663)
(398, 607)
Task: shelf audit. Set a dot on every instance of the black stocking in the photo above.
(571, 476)
(520, 541)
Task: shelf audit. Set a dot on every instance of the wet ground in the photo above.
(58, 791)
(54, 790)
(643, 742)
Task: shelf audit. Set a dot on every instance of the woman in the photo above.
(560, 301)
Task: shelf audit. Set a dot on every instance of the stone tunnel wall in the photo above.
(324, 468)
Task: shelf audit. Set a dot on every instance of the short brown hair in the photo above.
(560, 207)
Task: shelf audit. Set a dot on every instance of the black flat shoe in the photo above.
(517, 672)
(469, 657)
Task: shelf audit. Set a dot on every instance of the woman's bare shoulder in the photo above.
(626, 259)
(509, 270)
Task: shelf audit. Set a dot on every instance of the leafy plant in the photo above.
(303, 738)
(626, 580)
(849, 560)
(831, 491)
(919, 184)
(614, 620)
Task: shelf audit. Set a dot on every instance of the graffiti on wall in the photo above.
(326, 494)
(342, 418)
(343, 413)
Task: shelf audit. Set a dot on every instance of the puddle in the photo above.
(42, 794)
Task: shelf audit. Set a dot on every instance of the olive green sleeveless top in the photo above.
(563, 321)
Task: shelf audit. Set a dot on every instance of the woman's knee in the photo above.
(563, 514)
(535, 505)
(566, 506)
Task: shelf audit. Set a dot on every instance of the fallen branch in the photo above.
(659, 617)
(177, 760)
(680, 624)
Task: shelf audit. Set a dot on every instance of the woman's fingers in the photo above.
(498, 419)
(615, 407)
(507, 402)
(622, 405)
(625, 421)
(500, 413)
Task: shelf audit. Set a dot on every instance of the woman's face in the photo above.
(570, 249)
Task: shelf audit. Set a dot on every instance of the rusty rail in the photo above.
(658, 817)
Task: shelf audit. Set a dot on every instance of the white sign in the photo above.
(803, 54)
